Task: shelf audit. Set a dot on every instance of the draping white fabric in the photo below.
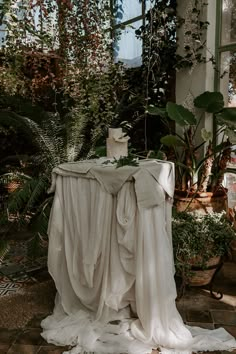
(110, 255)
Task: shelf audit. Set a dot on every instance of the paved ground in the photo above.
(197, 307)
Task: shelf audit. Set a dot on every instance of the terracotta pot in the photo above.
(203, 203)
(200, 277)
(12, 186)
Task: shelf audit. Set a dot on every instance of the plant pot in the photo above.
(12, 186)
(203, 203)
(200, 277)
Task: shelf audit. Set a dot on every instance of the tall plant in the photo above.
(193, 172)
(162, 57)
(57, 55)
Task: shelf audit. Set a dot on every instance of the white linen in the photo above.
(110, 255)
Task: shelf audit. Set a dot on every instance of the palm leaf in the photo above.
(40, 222)
(39, 187)
(39, 225)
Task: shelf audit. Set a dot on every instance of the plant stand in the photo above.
(186, 280)
(219, 293)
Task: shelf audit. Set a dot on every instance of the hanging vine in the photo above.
(53, 43)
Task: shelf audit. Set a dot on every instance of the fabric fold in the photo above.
(110, 255)
(112, 179)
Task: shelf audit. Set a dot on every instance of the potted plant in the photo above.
(200, 163)
(200, 242)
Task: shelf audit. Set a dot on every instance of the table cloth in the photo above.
(110, 255)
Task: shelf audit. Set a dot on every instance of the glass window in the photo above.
(2, 29)
(128, 48)
(149, 4)
(228, 77)
(228, 33)
(129, 15)
(230, 184)
(125, 10)
(2, 34)
(226, 57)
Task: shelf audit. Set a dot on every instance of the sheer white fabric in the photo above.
(111, 259)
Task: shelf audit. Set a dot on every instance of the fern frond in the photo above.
(40, 188)
(55, 129)
(39, 226)
(40, 221)
(26, 197)
(43, 137)
(76, 123)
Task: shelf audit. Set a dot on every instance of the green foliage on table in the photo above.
(122, 161)
(126, 161)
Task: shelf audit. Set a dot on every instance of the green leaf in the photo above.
(159, 155)
(171, 140)
(227, 117)
(212, 102)
(100, 151)
(206, 135)
(126, 161)
(231, 135)
(156, 111)
(180, 114)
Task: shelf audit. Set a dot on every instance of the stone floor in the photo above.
(197, 308)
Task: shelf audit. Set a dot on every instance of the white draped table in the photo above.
(110, 255)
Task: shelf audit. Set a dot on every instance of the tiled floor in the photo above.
(17, 269)
(197, 308)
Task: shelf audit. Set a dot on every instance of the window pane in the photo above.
(2, 37)
(228, 81)
(228, 22)
(128, 48)
(124, 10)
(149, 4)
(2, 34)
(230, 184)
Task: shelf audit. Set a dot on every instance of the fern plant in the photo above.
(59, 139)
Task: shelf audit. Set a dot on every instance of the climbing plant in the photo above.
(164, 54)
(59, 85)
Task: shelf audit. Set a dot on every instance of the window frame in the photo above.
(114, 27)
(219, 48)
